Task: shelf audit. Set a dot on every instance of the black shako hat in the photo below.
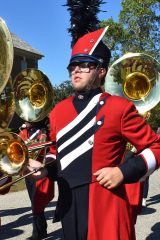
(90, 48)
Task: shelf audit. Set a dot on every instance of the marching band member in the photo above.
(91, 130)
(40, 192)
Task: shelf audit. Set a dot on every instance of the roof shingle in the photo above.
(21, 44)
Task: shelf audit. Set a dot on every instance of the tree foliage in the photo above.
(114, 37)
(154, 119)
(62, 91)
(137, 29)
(141, 24)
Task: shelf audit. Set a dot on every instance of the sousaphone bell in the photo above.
(135, 76)
(34, 97)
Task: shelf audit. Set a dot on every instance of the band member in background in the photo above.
(40, 192)
(91, 130)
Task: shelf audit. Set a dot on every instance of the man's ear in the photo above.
(102, 72)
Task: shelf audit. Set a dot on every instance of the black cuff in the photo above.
(128, 155)
(52, 169)
(133, 169)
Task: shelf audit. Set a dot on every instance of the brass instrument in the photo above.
(14, 155)
(135, 76)
(6, 56)
(33, 95)
(7, 105)
(37, 139)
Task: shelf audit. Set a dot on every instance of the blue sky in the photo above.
(43, 24)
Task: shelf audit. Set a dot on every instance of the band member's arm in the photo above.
(147, 143)
(133, 169)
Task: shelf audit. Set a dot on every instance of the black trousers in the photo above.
(39, 221)
(146, 188)
(72, 209)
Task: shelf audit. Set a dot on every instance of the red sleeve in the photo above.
(136, 131)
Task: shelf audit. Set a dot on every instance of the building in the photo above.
(25, 56)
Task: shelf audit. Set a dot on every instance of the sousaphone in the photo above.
(6, 54)
(34, 96)
(135, 76)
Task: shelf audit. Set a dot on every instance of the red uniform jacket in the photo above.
(118, 121)
(94, 139)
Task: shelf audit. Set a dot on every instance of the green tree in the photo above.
(154, 119)
(137, 29)
(114, 37)
(62, 91)
(141, 22)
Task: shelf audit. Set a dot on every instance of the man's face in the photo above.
(84, 76)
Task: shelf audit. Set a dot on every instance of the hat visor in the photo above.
(83, 58)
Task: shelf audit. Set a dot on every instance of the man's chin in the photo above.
(79, 88)
(85, 88)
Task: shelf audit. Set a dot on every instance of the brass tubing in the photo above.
(22, 177)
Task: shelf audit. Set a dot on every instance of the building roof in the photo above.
(22, 45)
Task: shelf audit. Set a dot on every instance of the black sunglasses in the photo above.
(83, 66)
